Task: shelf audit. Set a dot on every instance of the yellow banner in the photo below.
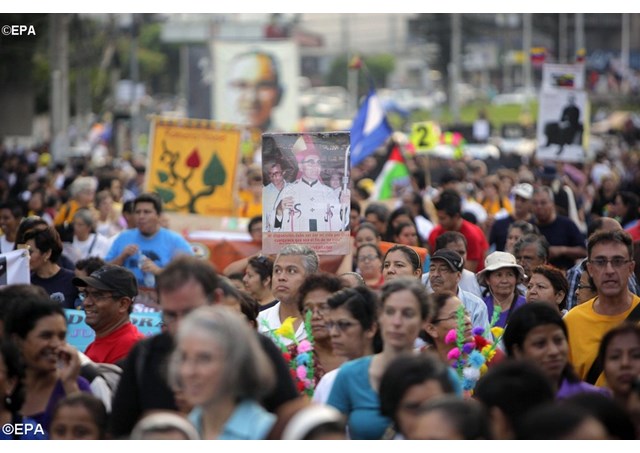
(193, 163)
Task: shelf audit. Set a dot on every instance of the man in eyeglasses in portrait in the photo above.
(308, 204)
(107, 299)
(271, 194)
(610, 264)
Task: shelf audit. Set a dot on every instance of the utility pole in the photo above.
(526, 50)
(133, 66)
(625, 47)
(562, 38)
(59, 54)
(454, 66)
(579, 33)
(352, 73)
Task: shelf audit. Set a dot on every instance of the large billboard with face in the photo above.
(256, 84)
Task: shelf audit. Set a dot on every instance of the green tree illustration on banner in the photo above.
(213, 176)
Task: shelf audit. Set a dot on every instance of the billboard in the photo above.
(256, 84)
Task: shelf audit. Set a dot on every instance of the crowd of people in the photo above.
(483, 306)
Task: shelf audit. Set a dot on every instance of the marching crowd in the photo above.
(486, 305)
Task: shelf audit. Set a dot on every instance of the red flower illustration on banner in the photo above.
(193, 161)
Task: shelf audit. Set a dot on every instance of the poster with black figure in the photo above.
(563, 126)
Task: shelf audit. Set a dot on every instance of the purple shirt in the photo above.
(568, 389)
(502, 319)
(44, 418)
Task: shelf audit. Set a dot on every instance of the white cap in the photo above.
(308, 418)
(524, 190)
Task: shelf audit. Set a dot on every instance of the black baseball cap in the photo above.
(453, 259)
(110, 277)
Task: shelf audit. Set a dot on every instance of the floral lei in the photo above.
(470, 359)
(302, 367)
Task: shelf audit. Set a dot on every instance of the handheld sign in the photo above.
(425, 136)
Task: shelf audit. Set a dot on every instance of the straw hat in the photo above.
(498, 260)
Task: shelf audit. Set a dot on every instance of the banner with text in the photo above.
(80, 335)
(306, 198)
(192, 165)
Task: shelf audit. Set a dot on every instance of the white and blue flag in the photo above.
(370, 128)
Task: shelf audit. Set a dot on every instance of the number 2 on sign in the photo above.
(425, 135)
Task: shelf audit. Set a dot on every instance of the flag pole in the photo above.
(372, 84)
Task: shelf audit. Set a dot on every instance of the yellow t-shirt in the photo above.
(249, 207)
(586, 328)
(493, 207)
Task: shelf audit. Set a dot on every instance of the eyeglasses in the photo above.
(322, 309)
(367, 258)
(275, 173)
(452, 316)
(311, 162)
(589, 287)
(616, 263)
(341, 325)
(95, 295)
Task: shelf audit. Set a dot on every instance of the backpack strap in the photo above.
(597, 365)
(93, 243)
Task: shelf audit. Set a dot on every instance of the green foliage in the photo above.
(497, 114)
(158, 62)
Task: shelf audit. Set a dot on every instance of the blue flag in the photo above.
(370, 128)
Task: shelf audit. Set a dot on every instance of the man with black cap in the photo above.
(445, 271)
(107, 299)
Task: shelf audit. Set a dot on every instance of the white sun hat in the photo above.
(498, 260)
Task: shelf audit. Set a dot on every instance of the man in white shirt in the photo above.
(292, 265)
